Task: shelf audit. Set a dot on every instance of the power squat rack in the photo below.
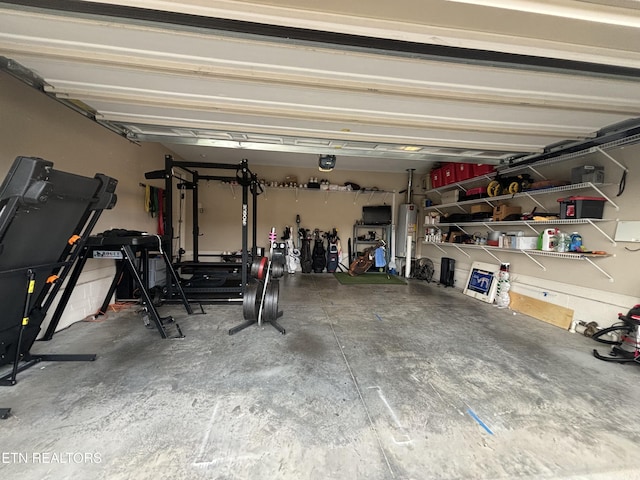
(219, 284)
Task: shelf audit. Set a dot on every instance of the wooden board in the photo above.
(545, 311)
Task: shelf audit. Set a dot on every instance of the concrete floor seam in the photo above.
(364, 404)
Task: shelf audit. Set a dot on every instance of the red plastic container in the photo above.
(449, 173)
(482, 169)
(474, 193)
(436, 177)
(464, 171)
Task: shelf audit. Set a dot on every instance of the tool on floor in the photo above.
(627, 349)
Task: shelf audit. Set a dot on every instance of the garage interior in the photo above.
(408, 380)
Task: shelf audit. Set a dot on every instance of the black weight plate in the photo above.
(270, 311)
(277, 269)
(251, 300)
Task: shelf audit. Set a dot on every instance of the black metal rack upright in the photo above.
(249, 185)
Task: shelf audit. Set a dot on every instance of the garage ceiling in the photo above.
(384, 86)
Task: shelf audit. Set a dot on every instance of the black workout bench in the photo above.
(123, 249)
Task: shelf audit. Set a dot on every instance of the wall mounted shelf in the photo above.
(495, 251)
(528, 194)
(531, 224)
(356, 193)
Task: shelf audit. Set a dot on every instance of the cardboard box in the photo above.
(452, 196)
(500, 212)
(481, 208)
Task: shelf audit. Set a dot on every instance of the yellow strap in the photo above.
(32, 286)
(147, 198)
(25, 321)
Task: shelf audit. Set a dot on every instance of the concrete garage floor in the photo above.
(370, 382)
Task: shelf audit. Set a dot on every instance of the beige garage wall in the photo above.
(577, 285)
(35, 125)
(220, 220)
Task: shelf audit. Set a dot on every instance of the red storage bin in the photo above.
(449, 173)
(464, 171)
(436, 177)
(482, 169)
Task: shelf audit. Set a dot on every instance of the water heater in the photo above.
(407, 223)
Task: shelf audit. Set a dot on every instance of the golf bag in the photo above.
(333, 252)
(365, 261)
(332, 258)
(319, 256)
(306, 262)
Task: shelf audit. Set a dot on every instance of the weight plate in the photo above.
(259, 268)
(251, 300)
(270, 311)
(277, 269)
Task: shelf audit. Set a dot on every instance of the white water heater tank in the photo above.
(407, 225)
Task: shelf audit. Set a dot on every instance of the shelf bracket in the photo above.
(438, 247)
(531, 227)
(598, 268)
(356, 197)
(461, 229)
(534, 200)
(461, 251)
(233, 191)
(611, 158)
(491, 254)
(534, 260)
(613, 242)
(537, 172)
(603, 195)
